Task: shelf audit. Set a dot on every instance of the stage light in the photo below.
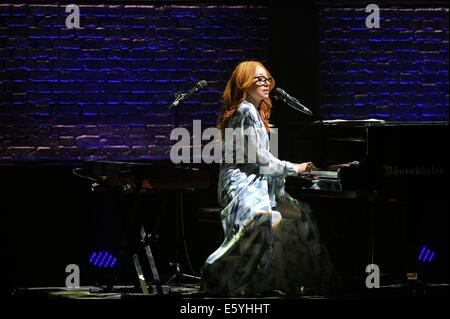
(107, 261)
(426, 255)
(102, 259)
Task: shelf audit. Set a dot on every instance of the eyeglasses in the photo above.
(262, 80)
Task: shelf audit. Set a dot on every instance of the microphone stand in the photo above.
(175, 104)
(288, 102)
(178, 97)
(178, 205)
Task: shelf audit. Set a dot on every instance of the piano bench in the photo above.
(209, 215)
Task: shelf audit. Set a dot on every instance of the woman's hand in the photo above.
(306, 167)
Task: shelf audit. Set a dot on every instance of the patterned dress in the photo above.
(262, 250)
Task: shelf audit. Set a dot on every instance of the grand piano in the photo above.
(380, 193)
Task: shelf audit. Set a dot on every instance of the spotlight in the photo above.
(426, 254)
(102, 259)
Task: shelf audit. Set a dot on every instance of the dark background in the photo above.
(102, 93)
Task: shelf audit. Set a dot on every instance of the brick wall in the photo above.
(102, 91)
(398, 72)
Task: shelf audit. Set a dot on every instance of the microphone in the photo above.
(291, 101)
(180, 97)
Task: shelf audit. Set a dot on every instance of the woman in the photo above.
(270, 241)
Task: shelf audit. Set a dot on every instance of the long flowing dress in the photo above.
(263, 251)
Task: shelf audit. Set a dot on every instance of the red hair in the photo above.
(234, 94)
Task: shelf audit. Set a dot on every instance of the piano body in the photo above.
(380, 193)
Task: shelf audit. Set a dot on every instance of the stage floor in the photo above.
(191, 291)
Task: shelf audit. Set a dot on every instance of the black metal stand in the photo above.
(179, 274)
(145, 240)
(372, 201)
(179, 216)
